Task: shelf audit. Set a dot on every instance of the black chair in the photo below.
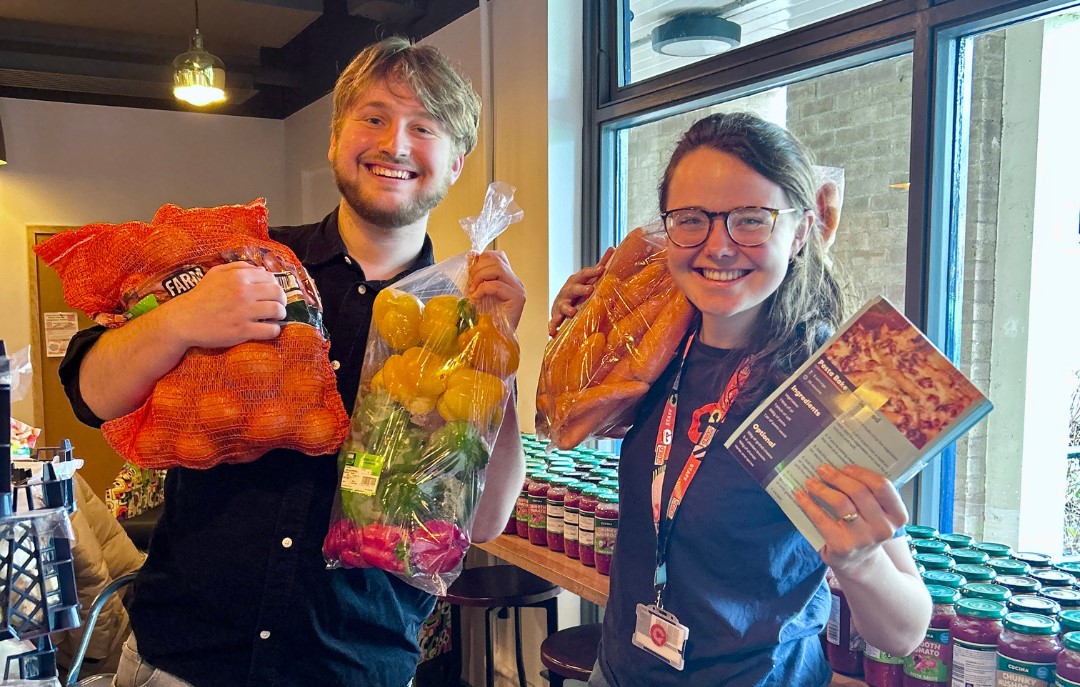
(570, 653)
(499, 588)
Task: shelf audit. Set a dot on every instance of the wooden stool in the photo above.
(498, 588)
(571, 653)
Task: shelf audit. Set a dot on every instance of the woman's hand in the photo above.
(868, 511)
(490, 276)
(576, 289)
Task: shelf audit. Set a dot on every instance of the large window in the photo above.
(953, 124)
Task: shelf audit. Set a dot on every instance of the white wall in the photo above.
(72, 164)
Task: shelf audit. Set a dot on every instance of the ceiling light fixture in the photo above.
(696, 35)
(198, 76)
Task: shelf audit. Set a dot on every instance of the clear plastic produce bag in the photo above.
(438, 372)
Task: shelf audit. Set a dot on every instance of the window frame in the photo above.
(931, 30)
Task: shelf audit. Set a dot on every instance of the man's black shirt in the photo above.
(235, 591)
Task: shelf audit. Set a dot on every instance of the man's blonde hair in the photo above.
(441, 89)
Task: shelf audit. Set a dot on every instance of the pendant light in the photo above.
(694, 34)
(198, 76)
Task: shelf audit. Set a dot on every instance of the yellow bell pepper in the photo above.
(442, 323)
(486, 347)
(414, 379)
(397, 317)
(473, 396)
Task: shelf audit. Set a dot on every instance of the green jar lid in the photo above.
(1009, 566)
(980, 608)
(1018, 584)
(943, 595)
(930, 546)
(562, 481)
(578, 486)
(1071, 640)
(1071, 567)
(1069, 619)
(944, 578)
(608, 496)
(1031, 624)
(541, 476)
(956, 540)
(1029, 603)
(1064, 596)
(612, 484)
(975, 573)
(985, 590)
(594, 490)
(604, 472)
(920, 531)
(1053, 578)
(969, 556)
(934, 561)
(992, 549)
(1035, 560)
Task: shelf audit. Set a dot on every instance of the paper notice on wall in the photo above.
(59, 328)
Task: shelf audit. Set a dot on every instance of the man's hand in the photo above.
(490, 276)
(233, 303)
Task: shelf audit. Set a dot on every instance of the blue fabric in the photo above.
(218, 573)
(748, 586)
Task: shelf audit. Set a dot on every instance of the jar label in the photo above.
(570, 532)
(877, 655)
(538, 513)
(832, 630)
(1062, 682)
(1014, 673)
(974, 665)
(554, 511)
(926, 662)
(586, 523)
(554, 525)
(570, 516)
(585, 537)
(521, 512)
(605, 539)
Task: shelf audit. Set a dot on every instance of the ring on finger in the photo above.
(850, 517)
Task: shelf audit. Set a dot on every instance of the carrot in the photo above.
(659, 344)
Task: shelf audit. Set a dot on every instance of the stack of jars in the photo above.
(1000, 618)
(569, 502)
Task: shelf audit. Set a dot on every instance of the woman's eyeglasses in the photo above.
(747, 226)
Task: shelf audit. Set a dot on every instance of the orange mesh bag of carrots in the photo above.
(602, 361)
(222, 405)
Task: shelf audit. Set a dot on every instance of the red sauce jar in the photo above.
(570, 517)
(538, 489)
(1030, 603)
(1068, 599)
(845, 647)
(1068, 661)
(1027, 650)
(929, 664)
(881, 669)
(607, 526)
(556, 495)
(587, 525)
(975, 630)
(1069, 619)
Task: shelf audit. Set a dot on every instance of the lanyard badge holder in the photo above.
(657, 630)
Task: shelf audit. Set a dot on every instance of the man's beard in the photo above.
(392, 218)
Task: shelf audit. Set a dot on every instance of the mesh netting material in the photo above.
(217, 405)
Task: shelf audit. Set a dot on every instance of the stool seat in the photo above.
(500, 585)
(571, 653)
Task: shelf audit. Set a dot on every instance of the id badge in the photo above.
(661, 634)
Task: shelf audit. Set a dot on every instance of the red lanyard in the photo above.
(663, 450)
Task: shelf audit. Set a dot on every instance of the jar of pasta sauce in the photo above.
(975, 573)
(920, 532)
(1037, 561)
(521, 509)
(570, 517)
(985, 590)
(1018, 584)
(556, 496)
(1065, 597)
(928, 665)
(993, 549)
(969, 556)
(607, 526)
(1030, 603)
(975, 631)
(844, 649)
(1068, 661)
(1027, 650)
(1009, 566)
(934, 561)
(956, 540)
(929, 546)
(587, 525)
(1069, 619)
(1053, 578)
(945, 578)
(538, 489)
(881, 669)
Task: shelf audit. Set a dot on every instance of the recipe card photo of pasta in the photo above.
(882, 353)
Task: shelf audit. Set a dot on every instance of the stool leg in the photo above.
(489, 652)
(520, 659)
(456, 652)
(551, 606)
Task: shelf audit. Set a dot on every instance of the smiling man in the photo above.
(235, 591)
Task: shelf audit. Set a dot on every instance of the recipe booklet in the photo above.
(877, 394)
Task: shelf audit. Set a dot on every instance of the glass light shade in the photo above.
(198, 76)
(695, 35)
